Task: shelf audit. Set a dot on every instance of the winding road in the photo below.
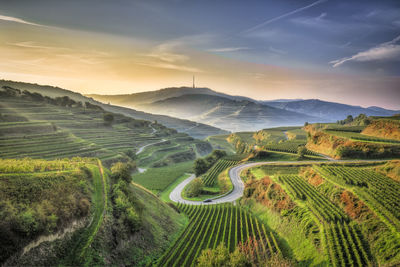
(238, 185)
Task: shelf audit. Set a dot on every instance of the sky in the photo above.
(335, 50)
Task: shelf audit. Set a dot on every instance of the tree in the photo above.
(108, 118)
(122, 171)
(200, 166)
(306, 123)
(194, 188)
(349, 119)
(301, 151)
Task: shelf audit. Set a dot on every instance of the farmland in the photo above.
(211, 225)
(353, 206)
(211, 176)
(39, 130)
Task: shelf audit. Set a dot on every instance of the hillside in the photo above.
(222, 112)
(73, 216)
(347, 141)
(385, 128)
(196, 130)
(328, 111)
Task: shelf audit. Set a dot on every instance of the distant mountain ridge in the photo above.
(329, 111)
(237, 113)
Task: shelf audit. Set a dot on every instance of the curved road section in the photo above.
(238, 185)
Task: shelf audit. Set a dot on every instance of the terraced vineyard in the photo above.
(343, 240)
(211, 176)
(379, 192)
(345, 246)
(36, 129)
(214, 224)
(361, 137)
(289, 147)
(320, 206)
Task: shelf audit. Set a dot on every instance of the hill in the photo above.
(73, 213)
(194, 129)
(377, 140)
(136, 99)
(232, 115)
(328, 111)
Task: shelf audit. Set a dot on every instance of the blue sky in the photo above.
(322, 41)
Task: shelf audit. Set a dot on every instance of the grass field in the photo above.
(158, 179)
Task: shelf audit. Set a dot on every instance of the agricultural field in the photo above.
(210, 177)
(379, 192)
(158, 179)
(211, 225)
(36, 129)
(281, 139)
(354, 207)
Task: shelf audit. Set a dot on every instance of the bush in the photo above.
(108, 118)
(301, 151)
(123, 171)
(194, 188)
(202, 165)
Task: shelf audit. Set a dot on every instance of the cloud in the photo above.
(385, 51)
(227, 49)
(166, 55)
(277, 51)
(17, 20)
(283, 16)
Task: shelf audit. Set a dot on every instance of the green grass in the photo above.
(220, 142)
(164, 195)
(293, 241)
(158, 179)
(100, 204)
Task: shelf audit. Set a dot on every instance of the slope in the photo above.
(196, 130)
(233, 115)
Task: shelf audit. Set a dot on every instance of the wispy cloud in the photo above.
(277, 51)
(227, 49)
(283, 16)
(17, 20)
(385, 51)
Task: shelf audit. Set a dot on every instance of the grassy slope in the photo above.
(160, 226)
(39, 197)
(158, 179)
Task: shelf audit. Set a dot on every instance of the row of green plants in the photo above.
(345, 246)
(360, 137)
(289, 147)
(378, 191)
(211, 225)
(343, 241)
(211, 176)
(321, 207)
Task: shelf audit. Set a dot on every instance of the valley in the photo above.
(92, 184)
